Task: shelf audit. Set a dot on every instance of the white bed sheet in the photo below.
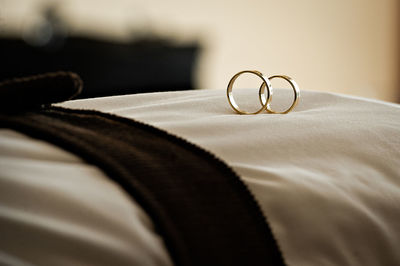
(327, 176)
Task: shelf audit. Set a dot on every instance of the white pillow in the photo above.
(57, 210)
(326, 175)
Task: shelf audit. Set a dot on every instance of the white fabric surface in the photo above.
(327, 176)
(57, 210)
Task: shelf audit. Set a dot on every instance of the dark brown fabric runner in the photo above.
(200, 207)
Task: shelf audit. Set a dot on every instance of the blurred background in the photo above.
(128, 46)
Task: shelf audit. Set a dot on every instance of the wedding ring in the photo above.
(296, 91)
(263, 99)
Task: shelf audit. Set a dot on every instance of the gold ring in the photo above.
(264, 100)
(296, 91)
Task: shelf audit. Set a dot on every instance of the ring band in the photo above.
(296, 91)
(263, 99)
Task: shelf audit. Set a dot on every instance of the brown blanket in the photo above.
(201, 208)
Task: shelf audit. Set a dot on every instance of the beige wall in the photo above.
(345, 46)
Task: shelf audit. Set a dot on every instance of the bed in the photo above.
(326, 178)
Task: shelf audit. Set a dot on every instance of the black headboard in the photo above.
(106, 67)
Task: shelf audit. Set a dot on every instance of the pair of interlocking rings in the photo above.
(265, 93)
